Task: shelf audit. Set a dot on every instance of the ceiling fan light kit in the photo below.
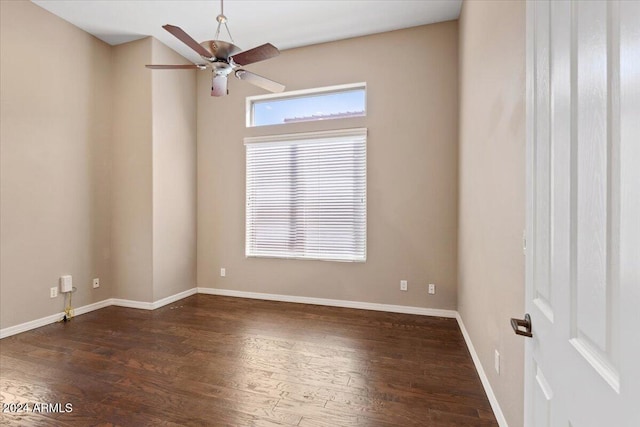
(223, 58)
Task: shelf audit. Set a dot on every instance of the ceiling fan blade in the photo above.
(256, 54)
(187, 39)
(219, 85)
(259, 81)
(175, 67)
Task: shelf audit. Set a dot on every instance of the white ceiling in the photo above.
(284, 23)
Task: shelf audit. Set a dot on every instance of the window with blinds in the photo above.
(306, 196)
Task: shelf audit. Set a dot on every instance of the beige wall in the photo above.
(174, 175)
(492, 190)
(412, 157)
(132, 200)
(154, 166)
(55, 135)
(98, 167)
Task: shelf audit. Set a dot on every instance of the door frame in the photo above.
(529, 197)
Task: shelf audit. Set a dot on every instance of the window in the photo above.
(306, 196)
(325, 103)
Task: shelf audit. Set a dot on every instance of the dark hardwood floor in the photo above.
(220, 361)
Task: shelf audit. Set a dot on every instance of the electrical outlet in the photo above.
(432, 288)
(96, 283)
(496, 362)
(223, 272)
(53, 292)
(403, 285)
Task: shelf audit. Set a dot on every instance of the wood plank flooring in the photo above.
(219, 361)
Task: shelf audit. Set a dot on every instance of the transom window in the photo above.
(306, 196)
(334, 102)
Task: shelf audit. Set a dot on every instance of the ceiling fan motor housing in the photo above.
(222, 68)
(220, 49)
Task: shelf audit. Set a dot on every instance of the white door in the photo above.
(583, 214)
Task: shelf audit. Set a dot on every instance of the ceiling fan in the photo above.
(223, 58)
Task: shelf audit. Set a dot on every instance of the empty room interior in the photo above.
(314, 213)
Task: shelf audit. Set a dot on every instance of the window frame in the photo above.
(310, 136)
(251, 100)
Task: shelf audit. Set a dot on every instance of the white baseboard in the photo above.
(91, 307)
(27, 326)
(495, 406)
(332, 302)
(173, 298)
(142, 305)
(502, 422)
(127, 303)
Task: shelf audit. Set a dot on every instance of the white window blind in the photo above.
(306, 196)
